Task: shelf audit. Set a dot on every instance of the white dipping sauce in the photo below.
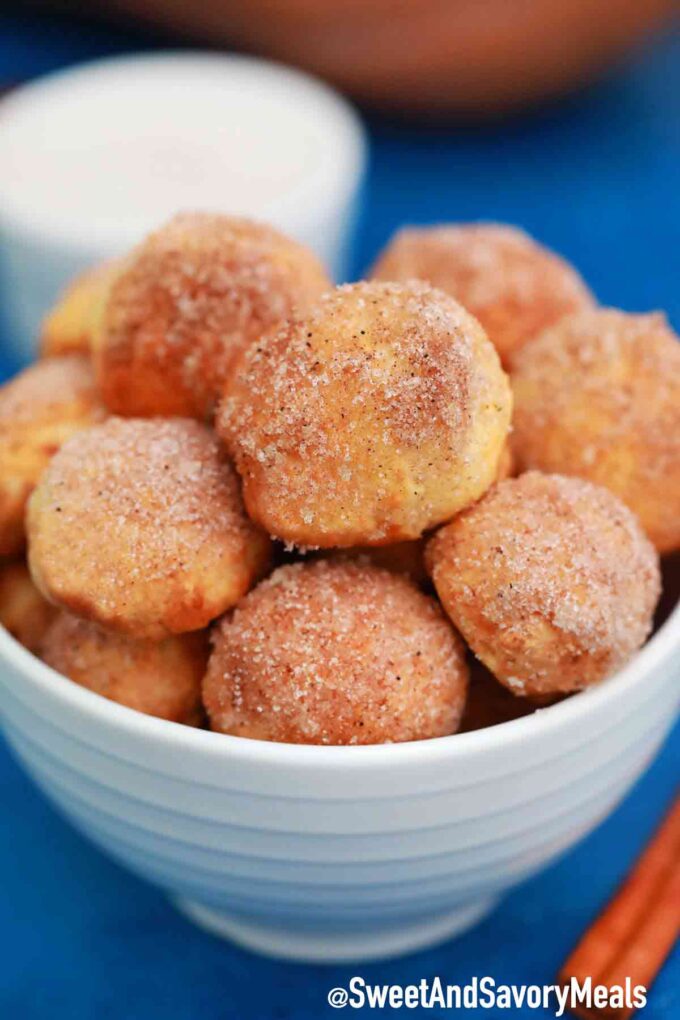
(92, 159)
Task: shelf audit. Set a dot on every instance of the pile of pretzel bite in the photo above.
(233, 495)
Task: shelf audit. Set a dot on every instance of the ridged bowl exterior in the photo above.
(325, 843)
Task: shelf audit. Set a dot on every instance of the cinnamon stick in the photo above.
(637, 930)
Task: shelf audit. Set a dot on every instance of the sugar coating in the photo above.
(512, 284)
(598, 396)
(550, 580)
(158, 678)
(379, 415)
(335, 653)
(139, 525)
(187, 302)
(39, 409)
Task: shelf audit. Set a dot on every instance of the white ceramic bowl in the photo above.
(342, 853)
(94, 157)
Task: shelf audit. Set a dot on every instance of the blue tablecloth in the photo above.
(595, 176)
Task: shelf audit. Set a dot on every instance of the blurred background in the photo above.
(561, 116)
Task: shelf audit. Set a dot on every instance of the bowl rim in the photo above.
(95, 708)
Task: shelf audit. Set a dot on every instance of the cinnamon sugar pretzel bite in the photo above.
(158, 678)
(336, 653)
(39, 409)
(512, 284)
(598, 396)
(550, 580)
(139, 526)
(185, 305)
(377, 416)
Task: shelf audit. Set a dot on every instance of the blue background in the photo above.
(595, 176)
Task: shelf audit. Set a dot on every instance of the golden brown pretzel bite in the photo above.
(138, 525)
(186, 304)
(379, 415)
(336, 653)
(550, 580)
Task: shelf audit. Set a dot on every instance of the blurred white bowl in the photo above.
(322, 853)
(94, 157)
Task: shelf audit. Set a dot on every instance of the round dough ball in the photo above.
(72, 324)
(598, 396)
(39, 409)
(550, 580)
(23, 610)
(512, 284)
(188, 301)
(139, 526)
(161, 679)
(378, 416)
(336, 653)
